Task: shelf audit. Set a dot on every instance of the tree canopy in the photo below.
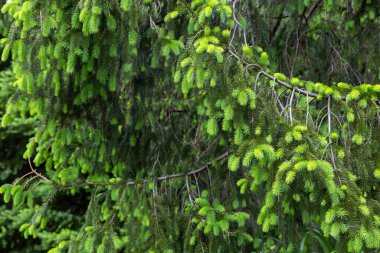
(190, 126)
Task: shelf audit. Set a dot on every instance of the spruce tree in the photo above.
(172, 121)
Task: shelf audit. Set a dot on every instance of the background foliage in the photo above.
(190, 126)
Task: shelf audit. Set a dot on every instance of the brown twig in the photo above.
(156, 179)
(178, 175)
(38, 174)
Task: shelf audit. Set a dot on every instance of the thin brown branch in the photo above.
(178, 175)
(38, 174)
(156, 179)
(288, 86)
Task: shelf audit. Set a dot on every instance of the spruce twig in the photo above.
(38, 174)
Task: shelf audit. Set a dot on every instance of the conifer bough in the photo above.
(303, 160)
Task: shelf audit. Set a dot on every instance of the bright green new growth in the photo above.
(140, 101)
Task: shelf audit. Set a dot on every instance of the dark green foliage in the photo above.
(176, 132)
(14, 137)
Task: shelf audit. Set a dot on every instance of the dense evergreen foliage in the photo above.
(190, 126)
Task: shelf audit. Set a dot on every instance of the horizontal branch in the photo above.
(178, 175)
(286, 85)
(160, 178)
(282, 83)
